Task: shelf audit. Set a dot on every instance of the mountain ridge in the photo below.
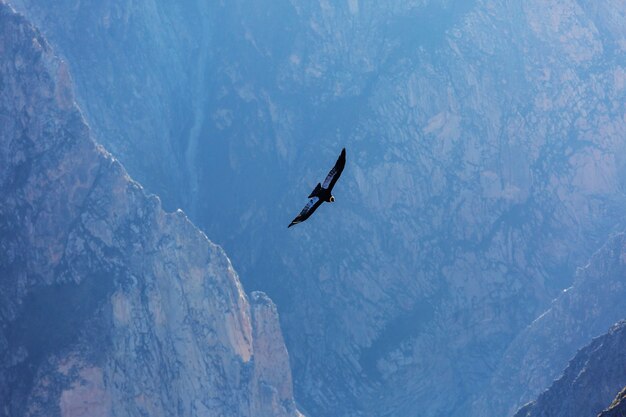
(486, 161)
(590, 381)
(110, 306)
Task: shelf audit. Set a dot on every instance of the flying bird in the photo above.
(322, 192)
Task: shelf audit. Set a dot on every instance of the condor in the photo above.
(322, 192)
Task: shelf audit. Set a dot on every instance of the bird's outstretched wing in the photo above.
(334, 173)
(311, 206)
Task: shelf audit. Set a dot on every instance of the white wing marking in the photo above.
(310, 204)
(329, 177)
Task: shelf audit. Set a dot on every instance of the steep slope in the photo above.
(146, 111)
(617, 407)
(108, 305)
(589, 382)
(537, 356)
(485, 160)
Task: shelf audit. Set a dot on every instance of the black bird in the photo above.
(322, 192)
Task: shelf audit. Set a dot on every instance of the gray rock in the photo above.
(110, 306)
(589, 382)
(617, 407)
(538, 354)
(486, 163)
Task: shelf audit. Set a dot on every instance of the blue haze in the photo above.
(469, 198)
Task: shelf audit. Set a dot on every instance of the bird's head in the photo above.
(332, 198)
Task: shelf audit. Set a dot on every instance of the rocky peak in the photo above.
(110, 306)
(271, 361)
(486, 160)
(538, 354)
(589, 382)
(617, 407)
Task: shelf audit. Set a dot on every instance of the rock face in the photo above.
(617, 407)
(589, 382)
(538, 354)
(146, 111)
(108, 305)
(485, 160)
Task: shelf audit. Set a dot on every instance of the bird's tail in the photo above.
(316, 190)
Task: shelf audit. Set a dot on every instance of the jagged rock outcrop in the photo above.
(272, 374)
(108, 305)
(537, 356)
(485, 160)
(146, 111)
(617, 407)
(589, 382)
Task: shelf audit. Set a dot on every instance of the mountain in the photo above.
(590, 381)
(485, 163)
(110, 306)
(539, 353)
(617, 407)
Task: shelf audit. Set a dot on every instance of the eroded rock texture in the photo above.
(108, 305)
(617, 407)
(539, 353)
(486, 162)
(589, 382)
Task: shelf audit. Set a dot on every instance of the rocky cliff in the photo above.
(590, 381)
(617, 407)
(108, 305)
(485, 160)
(539, 353)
